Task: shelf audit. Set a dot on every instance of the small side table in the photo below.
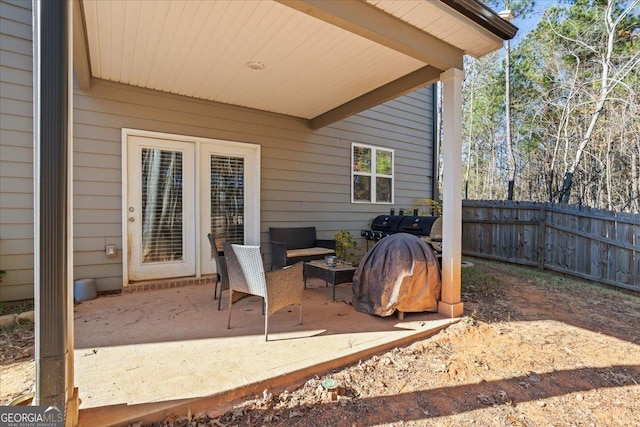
(341, 273)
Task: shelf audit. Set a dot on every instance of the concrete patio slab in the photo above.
(140, 356)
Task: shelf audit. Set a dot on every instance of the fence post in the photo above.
(541, 236)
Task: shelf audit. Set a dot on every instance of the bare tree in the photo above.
(611, 75)
(575, 116)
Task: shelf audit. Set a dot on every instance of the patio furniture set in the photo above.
(295, 258)
(388, 284)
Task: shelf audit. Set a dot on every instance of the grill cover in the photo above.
(399, 273)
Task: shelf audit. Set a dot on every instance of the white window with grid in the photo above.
(371, 174)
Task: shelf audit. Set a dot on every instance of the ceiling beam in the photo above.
(80, 52)
(378, 26)
(413, 81)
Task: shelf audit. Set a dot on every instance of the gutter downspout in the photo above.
(51, 202)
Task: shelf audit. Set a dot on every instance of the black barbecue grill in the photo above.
(417, 225)
(428, 228)
(382, 226)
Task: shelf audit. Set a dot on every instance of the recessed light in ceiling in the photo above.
(255, 65)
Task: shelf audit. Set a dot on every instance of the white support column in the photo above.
(450, 304)
(73, 400)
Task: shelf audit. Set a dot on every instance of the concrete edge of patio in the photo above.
(124, 415)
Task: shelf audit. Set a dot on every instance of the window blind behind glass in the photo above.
(227, 199)
(162, 216)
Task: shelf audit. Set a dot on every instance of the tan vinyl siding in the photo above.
(403, 124)
(16, 152)
(305, 176)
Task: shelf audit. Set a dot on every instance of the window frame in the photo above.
(373, 174)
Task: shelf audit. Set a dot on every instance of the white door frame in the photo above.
(251, 152)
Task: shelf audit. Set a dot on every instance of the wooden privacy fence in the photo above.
(589, 243)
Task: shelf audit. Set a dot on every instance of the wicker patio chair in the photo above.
(222, 277)
(247, 277)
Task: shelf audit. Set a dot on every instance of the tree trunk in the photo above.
(469, 139)
(510, 152)
(635, 180)
(565, 191)
(608, 173)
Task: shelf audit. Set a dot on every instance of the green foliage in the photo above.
(427, 207)
(345, 245)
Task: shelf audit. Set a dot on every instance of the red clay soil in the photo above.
(534, 349)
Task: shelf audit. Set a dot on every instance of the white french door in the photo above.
(179, 189)
(229, 196)
(160, 210)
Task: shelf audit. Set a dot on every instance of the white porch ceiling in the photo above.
(440, 20)
(317, 56)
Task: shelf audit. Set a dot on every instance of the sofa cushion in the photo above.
(294, 253)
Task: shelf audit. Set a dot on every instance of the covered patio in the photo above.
(312, 63)
(136, 359)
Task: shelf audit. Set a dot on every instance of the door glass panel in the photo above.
(162, 216)
(227, 198)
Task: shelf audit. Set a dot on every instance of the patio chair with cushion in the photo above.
(222, 277)
(247, 277)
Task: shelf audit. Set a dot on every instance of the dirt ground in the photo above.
(534, 349)
(17, 366)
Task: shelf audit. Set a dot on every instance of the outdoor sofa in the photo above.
(294, 244)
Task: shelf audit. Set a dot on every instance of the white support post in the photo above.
(73, 401)
(450, 304)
